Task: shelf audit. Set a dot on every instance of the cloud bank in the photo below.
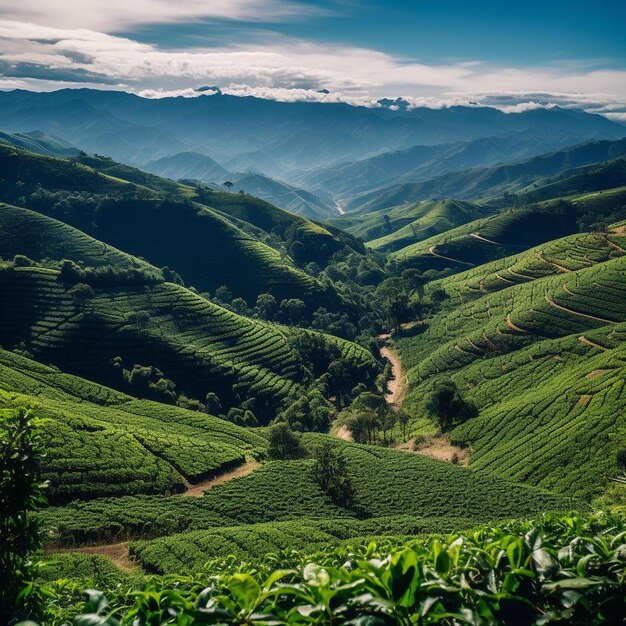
(57, 54)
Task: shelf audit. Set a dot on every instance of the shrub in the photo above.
(21, 492)
(284, 443)
(331, 473)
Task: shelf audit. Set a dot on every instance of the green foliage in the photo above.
(556, 569)
(385, 482)
(102, 442)
(21, 493)
(284, 443)
(332, 475)
(448, 406)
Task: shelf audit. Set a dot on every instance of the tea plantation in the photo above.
(103, 442)
(510, 231)
(385, 481)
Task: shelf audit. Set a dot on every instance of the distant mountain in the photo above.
(300, 135)
(284, 196)
(483, 182)
(195, 166)
(418, 163)
(189, 165)
(40, 143)
(256, 161)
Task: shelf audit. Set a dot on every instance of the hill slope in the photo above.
(207, 249)
(476, 183)
(102, 442)
(539, 350)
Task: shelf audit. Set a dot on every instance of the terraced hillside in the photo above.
(512, 231)
(597, 177)
(385, 481)
(195, 344)
(542, 359)
(205, 247)
(320, 241)
(397, 227)
(102, 442)
(42, 238)
(559, 256)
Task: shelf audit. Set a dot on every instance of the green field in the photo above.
(386, 482)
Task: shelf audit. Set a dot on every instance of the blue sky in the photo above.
(523, 54)
(529, 32)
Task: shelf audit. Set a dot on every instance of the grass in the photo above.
(509, 232)
(151, 219)
(570, 253)
(195, 343)
(39, 238)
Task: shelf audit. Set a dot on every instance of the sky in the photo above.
(512, 55)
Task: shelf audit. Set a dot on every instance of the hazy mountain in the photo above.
(482, 182)
(189, 165)
(344, 181)
(40, 143)
(295, 200)
(299, 135)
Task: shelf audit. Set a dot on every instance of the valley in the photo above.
(366, 382)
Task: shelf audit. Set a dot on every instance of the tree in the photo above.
(297, 252)
(363, 425)
(240, 306)
(223, 295)
(81, 293)
(266, 306)
(404, 421)
(212, 403)
(21, 493)
(448, 406)
(229, 185)
(294, 310)
(284, 443)
(331, 473)
(394, 300)
(341, 379)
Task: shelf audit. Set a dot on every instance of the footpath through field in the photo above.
(118, 552)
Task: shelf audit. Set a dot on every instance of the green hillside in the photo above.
(541, 358)
(193, 343)
(513, 230)
(102, 442)
(558, 256)
(202, 245)
(490, 181)
(390, 229)
(431, 218)
(576, 182)
(42, 238)
(386, 482)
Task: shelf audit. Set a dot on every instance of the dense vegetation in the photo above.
(210, 376)
(554, 569)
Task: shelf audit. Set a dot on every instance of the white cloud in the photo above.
(116, 15)
(289, 69)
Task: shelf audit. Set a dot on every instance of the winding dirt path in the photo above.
(116, 552)
(397, 385)
(479, 236)
(197, 490)
(447, 258)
